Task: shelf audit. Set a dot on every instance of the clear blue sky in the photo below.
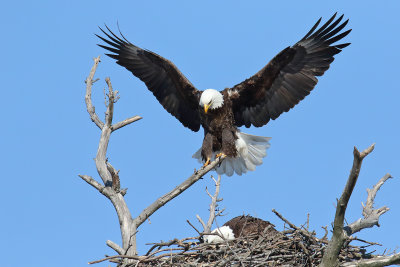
(50, 217)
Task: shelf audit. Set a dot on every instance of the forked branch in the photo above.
(213, 207)
(371, 216)
(110, 177)
(107, 173)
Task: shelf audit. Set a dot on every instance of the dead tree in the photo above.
(110, 187)
(325, 253)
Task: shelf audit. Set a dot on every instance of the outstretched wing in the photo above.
(288, 77)
(171, 88)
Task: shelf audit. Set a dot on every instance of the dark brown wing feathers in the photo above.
(246, 225)
(171, 88)
(289, 76)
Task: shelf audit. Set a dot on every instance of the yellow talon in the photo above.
(207, 163)
(220, 155)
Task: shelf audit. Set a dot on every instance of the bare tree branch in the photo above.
(303, 232)
(378, 261)
(115, 247)
(128, 231)
(285, 220)
(88, 97)
(364, 241)
(326, 232)
(201, 222)
(110, 177)
(213, 207)
(105, 169)
(193, 227)
(102, 189)
(368, 208)
(112, 97)
(197, 175)
(116, 183)
(123, 123)
(105, 137)
(348, 190)
(213, 204)
(371, 217)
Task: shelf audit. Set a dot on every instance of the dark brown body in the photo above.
(246, 225)
(219, 130)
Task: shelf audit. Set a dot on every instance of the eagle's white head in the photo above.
(211, 99)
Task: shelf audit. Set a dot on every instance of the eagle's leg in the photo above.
(206, 148)
(228, 143)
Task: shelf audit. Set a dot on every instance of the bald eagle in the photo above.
(275, 89)
(241, 226)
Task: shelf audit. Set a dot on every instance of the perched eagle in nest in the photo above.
(241, 226)
(275, 89)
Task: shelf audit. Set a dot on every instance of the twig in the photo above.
(116, 257)
(179, 242)
(169, 243)
(193, 227)
(285, 220)
(365, 241)
(303, 232)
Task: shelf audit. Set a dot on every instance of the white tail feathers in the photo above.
(251, 150)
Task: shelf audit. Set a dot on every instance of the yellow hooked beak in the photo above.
(206, 107)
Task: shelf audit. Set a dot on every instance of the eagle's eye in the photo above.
(209, 102)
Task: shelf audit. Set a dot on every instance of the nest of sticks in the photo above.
(293, 247)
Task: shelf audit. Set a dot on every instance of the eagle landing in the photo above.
(280, 85)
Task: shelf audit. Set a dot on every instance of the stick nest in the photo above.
(288, 248)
